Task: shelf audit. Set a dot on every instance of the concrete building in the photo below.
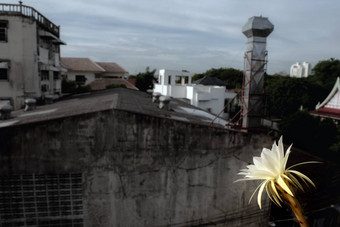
(81, 70)
(29, 56)
(113, 70)
(300, 70)
(85, 71)
(114, 158)
(177, 84)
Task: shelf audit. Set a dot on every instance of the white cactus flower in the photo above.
(271, 168)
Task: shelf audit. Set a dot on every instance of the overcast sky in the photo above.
(195, 35)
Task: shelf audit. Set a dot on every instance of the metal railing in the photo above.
(27, 11)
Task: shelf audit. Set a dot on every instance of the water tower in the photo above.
(257, 29)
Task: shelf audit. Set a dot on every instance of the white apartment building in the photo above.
(29, 56)
(300, 70)
(177, 84)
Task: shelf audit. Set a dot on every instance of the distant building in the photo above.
(212, 97)
(113, 70)
(81, 70)
(29, 56)
(330, 107)
(84, 71)
(300, 70)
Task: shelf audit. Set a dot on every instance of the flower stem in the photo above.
(295, 206)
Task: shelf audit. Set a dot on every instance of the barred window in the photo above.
(44, 75)
(80, 79)
(41, 200)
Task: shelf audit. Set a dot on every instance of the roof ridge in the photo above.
(335, 88)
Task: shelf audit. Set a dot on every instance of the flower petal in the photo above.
(284, 186)
(259, 196)
(302, 176)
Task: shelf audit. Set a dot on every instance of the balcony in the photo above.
(29, 12)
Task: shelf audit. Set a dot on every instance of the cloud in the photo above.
(192, 34)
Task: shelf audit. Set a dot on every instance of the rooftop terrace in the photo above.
(29, 12)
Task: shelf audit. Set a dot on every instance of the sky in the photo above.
(193, 35)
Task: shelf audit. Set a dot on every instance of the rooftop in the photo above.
(210, 81)
(101, 83)
(111, 67)
(80, 65)
(117, 99)
(29, 12)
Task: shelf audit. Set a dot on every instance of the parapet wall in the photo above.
(138, 170)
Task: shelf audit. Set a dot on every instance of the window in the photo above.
(80, 79)
(3, 31)
(47, 200)
(56, 75)
(45, 87)
(3, 70)
(44, 75)
(3, 74)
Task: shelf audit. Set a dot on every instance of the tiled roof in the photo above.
(81, 64)
(327, 112)
(111, 67)
(100, 84)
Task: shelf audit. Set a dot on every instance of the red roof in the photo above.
(327, 112)
(111, 67)
(330, 106)
(80, 65)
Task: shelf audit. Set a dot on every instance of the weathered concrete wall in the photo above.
(142, 171)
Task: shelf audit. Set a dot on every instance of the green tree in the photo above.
(326, 72)
(232, 77)
(145, 81)
(286, 95)
(311, 134)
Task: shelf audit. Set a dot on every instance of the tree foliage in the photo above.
(311, 134)
(286, 95)
(145, 80)
(326, 72)
(232, 77)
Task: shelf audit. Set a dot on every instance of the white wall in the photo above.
(300, 70)
(210, 98)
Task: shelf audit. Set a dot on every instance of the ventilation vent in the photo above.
(41, 200)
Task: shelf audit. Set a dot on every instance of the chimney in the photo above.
(5, 111)
(257, 29)
(155, 97)
(164, 102)
(30, 104)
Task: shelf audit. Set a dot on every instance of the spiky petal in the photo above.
(271, 168)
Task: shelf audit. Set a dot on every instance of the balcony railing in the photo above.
(27, 11)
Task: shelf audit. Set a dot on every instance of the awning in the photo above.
(52, 68)
(49, 35)
(3, 64)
